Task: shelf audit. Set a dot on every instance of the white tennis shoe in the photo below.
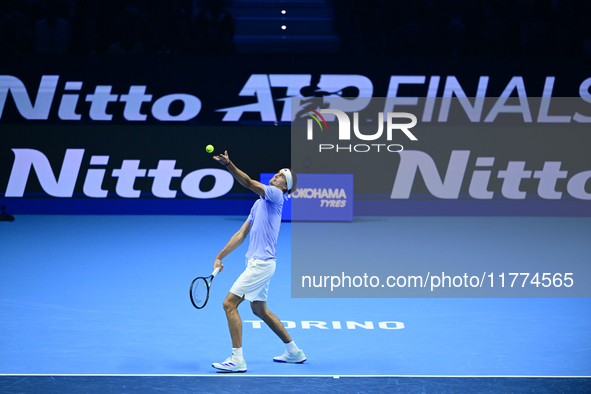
(287, 357)
(230, 366)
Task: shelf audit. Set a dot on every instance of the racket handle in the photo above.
(215, 272)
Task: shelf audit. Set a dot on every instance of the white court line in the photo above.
(219, 374)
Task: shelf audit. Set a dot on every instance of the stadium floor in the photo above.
(108, 295)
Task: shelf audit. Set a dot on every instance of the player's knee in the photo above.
(228, 306)
(258, 310)
(255, 310)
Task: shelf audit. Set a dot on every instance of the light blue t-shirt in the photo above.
(265, 220)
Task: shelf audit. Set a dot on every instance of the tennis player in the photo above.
(253, 284)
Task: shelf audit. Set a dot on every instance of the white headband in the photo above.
(288, 178)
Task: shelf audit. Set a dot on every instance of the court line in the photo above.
(219, 374)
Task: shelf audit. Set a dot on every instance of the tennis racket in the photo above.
(199, 291)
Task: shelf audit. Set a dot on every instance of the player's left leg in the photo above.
(293, 354)
(259, 308)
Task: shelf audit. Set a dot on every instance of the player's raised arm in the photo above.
(240, 176)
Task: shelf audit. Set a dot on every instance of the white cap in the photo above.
(288, 178)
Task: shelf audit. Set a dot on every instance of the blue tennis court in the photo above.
(109, 295)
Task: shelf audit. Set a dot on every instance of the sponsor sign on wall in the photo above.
(323, 198)
(451, 137)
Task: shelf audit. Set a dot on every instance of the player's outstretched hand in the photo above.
(223, 158)
(218, 264)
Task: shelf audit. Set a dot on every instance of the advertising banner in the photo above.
(132, 169)
(119, 135)
(323, 197)
(201, 89)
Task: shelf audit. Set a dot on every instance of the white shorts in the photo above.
(253, 283)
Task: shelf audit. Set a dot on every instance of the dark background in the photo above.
(209, 49)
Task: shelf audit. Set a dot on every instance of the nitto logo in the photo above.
(99, 100)
(127, 174)
(345, 131)
(449, 186)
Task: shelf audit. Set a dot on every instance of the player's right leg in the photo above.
(234, 323)
(234, 363)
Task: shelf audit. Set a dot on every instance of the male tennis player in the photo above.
(263, 225)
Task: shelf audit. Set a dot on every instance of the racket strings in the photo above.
(199, 292)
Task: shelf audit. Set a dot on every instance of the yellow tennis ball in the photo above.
(209, 148)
